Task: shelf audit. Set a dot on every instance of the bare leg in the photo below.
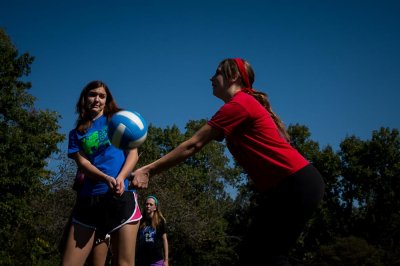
(79, 244)
(123, 244)
(99, 253)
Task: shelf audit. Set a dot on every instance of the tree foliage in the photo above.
(361, 204)
(27, 138)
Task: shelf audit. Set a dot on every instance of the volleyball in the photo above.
(127, 130)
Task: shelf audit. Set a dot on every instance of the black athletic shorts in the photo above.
(106, 213)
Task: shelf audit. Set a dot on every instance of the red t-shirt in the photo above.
(255, 142)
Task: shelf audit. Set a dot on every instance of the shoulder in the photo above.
(72, 132)
(243, 99)
(240, 102)
(249, 104)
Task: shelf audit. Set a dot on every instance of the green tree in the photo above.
(27, 138)
(361, 205)
(349, 251)
(55, 208)
(371, 185)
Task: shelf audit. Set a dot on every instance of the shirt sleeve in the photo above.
(228, 117)
(73, 143)
(163, 228)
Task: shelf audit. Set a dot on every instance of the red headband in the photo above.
(242, 69)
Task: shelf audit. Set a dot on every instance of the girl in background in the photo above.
(152, 237)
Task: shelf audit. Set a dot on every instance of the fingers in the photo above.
(139, 184)
(140, 180)
(120, 187)
(111, 182)
(143, 184)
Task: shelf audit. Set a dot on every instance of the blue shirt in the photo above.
(96, 146)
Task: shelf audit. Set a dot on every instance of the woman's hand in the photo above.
(141, 178)
(111, 183)
(119, 186)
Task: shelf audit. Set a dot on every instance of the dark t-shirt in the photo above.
(150, 243)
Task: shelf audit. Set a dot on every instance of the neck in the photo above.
(230, 92)
(95, 116)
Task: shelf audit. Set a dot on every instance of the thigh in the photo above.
(79, 244)
(99, 253)
(123, 243)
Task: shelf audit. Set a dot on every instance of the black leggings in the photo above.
(280, 216)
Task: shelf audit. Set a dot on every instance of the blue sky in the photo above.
(333, 66)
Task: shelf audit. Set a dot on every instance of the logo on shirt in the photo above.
(95, 141)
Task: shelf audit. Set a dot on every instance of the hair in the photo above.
(154, 198)
(158, 217)
(230, 71)
(84, 120)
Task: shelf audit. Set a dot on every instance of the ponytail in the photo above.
(262, 98)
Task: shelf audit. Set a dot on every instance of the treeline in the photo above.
(357, 224)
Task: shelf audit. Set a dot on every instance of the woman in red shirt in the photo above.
(289, 187)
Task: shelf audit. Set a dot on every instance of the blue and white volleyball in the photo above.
(127, 130)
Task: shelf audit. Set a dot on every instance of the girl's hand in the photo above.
(120, 186)
(141, 178)
(111, 183)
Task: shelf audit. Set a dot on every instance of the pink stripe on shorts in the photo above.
(136, 215)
